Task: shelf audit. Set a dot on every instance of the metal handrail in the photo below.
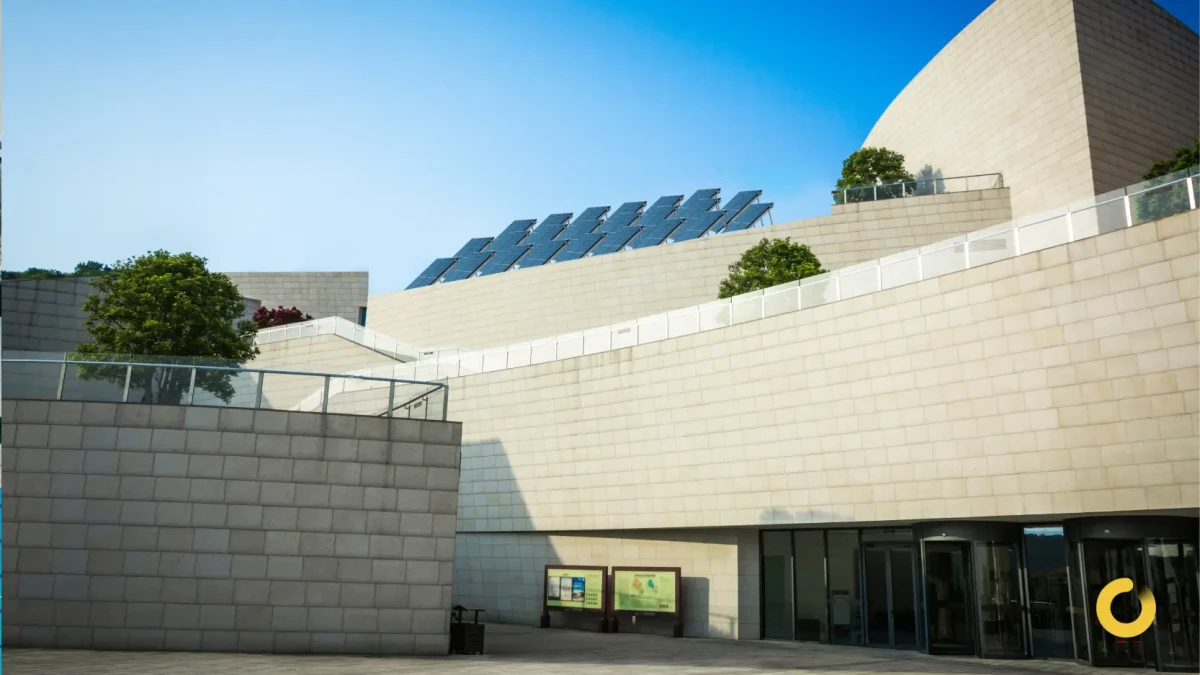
(861, 187)
(130, 365)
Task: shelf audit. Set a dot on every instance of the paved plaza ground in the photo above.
(531, 651)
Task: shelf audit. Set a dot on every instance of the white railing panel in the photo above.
(542, 351)
(943, 257)
(718, 314)
(519, 355)
(781, 299)
(990, 247)
(748, 307)
(495, 359)
(898, 270)
(597, 341)
(623, 335)
(448, 369)
(471, 364)
(683, 322)
(569, 346)
(818, 290)
(652, 329)
(858, 280)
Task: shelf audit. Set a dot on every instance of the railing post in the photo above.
(325, 397)
(1070, 227)
(391, 396)
(128, 377)
(445, 400)
(967, 253)
(875, 193)
(1191, 187)
(1128, 212)
(62, 379)
(262, 377)
(845, 196)
(920, 267)
(837, 289)
(192, 387)
(1016, 239)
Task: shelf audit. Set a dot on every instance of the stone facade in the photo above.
(319, 354)
(543, 301)
(1053, 383)
(1066, 98)
(163, 527)
(320, 294)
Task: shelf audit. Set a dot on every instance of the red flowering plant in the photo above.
(266, 317)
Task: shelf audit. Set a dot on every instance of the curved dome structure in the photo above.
(1066, 98)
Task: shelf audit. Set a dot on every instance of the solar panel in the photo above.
(654, 235)
(748, 217)
(549, 229)
(660, 210)
(615, 241)
(735, 206)
(577, 247)
(700, 202)
(466, 266)
(540, 253)
(436, 269)
(586, 223)
(695, 226)
(473, 246)
(623, 216)
(518, 226)
(502, 260)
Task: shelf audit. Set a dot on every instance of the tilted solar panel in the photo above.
(577, 247)
(654, 235)
(474, 246)
(623, 216)
(501, 261)
(701, 201)
(751, 215)
(549, 229)
(466, 266)
(586, 223)
(735, 206)
(660, 210)
(615, 241)
(695, 227)
(540, 253)
(518, 226)
(436, 269)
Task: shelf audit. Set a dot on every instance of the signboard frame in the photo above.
(604, 595)
(677, 615)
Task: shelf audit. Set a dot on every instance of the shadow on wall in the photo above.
(929, 181)
(502, 570)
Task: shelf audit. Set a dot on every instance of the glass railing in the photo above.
(214, 382)
(336, 325)
(920, 187)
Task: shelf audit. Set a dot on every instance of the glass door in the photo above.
(1103, 561)
(948, 601)
(890, 599)
(998, 588)
(1175, 578)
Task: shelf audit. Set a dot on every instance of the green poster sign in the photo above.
(576, 589)
(644, 591)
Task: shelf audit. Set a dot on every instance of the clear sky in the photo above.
(282, 135)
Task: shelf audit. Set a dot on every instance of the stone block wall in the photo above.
(544, 301)
(1058, 382)
(172, 528)
(320, 294)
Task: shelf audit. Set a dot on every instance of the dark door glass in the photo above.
(948, 597)
(1001, 629)
(904, 611)
(1174, 573)
(1049, 597)
(878, 625)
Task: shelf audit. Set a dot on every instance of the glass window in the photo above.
(845, 609)
(362, 316)
(1079, 611)
(811, 612)
(999, 596)
(1049, 599)
(777, 585)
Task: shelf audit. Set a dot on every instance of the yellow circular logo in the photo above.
(1119, 628)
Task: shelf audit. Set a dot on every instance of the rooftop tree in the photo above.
(872, 166)
(768, 263)
(170, 309)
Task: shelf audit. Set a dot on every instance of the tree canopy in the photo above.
(266, 317)
(91, 268)
(768, 263)
(1184, 158)
(170, 307)
(872, 166)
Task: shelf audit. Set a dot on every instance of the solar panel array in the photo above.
(598, 231)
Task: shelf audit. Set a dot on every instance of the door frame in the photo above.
(973, 648)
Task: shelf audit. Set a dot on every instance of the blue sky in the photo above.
(292, 135)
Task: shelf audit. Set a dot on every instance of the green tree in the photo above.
(872, 166)
(166, 308)
(91, 268)
(1169, 199)
(768, 263)
(34, 273)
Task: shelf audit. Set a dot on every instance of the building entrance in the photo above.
(948, 597)
(890, 596)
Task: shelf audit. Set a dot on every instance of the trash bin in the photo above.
(465, 638)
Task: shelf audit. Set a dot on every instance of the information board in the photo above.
(575, 588)
(645, 590)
